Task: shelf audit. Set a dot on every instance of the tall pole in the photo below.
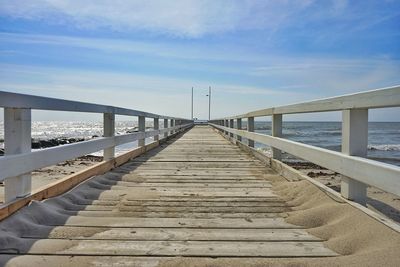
(209, 103)
(192, 102)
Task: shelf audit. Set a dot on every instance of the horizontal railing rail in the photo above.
(15, 165)
(358, 171)
(379, 98)
(380, 175)
(19, 161)
(14, 100)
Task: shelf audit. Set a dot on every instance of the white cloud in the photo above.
(191, 18)
(196, 18)
(158, 49)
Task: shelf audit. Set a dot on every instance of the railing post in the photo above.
(156, 126)
(354, 143)
(250, 128)
(108, 131)
(226, 125)
(239, 127)
(231, 126)
(277, 132)
(142, 128)
(165, 126)
(178, 123)
(172, 125)
(17, 140)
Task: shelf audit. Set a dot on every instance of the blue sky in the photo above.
(147, 55)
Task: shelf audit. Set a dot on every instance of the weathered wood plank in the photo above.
(124, 222)
(174, 234)
(179, 248)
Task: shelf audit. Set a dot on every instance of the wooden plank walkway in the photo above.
(195, 196)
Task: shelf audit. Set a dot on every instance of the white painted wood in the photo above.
(156, 127)
(142, 128)
(17, 140)
(109, 131)
(14, 165)
(18, 106)
(355, 132)
(250, 128)
(172, 123)
(379, 98)
(377, 174)
(239, 126)
(354, 143)
(14, 100)
(165, 127)
(277, 132)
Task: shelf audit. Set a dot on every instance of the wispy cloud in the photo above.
(264, 73)
(115, 45)
(188, 18)
(180, 17)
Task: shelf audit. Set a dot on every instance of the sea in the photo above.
(383, 137)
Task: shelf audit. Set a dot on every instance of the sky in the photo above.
(146, 55)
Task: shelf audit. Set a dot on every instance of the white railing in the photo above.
(358, 171)
(18, 160)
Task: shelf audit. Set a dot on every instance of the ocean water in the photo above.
(45, 130)
(383, 137)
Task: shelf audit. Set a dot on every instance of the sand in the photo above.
(361, 240)
(378, 200)
(53, 173)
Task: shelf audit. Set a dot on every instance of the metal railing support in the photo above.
(108, 131)
(277, 132)
(17, 140)
(250, 128)
(354, 143)
(142, 128)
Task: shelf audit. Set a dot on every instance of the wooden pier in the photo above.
(195, 195)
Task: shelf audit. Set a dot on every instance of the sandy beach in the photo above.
(378, 200)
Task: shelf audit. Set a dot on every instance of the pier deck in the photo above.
(195, 196)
